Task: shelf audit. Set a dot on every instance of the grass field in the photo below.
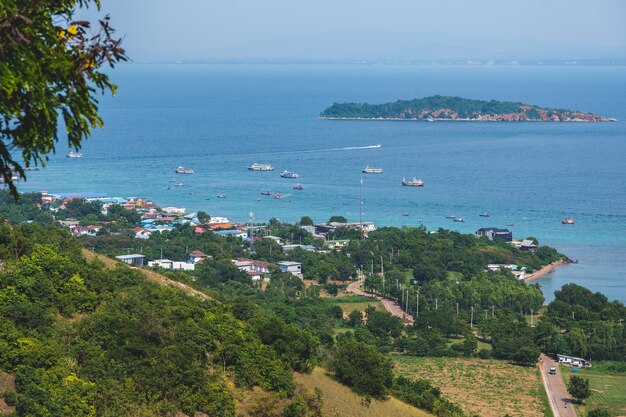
(490, 388)
(340, 401)
(608, 389)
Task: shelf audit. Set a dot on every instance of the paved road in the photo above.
(391, 306)
(559, 399)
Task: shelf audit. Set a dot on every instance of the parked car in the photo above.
(553, 370)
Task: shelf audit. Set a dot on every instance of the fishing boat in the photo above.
(450, 216)
(510, 224)
(73, 155)
(484, 214)
(430, 119)
(183, 170)
(221, 196)
(278, 196)
(413, 183)
(405, 214)
(298, 187)
(266, 192)
(260, 167)
(459, 220)
(372, 170)
(568, 221)
(289, 174)
(180, 184)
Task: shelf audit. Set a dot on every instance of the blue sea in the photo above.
(218, 119)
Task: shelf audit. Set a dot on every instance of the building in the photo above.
(494, 233)
(294, 268)
(232, 232)
(134, 259)
(573, 361)
(337, 244)
(252, 265)
(528, 245)
(174, 210)
(276, 239)
(309, 248)
(84, 230)
(167, 264)
(196, 257)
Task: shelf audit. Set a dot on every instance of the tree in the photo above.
(203, 217)
(599, 412)
(297, 408)
(337, 219)
(306, 221)
(49, 66)
(363, 368)
(579, 388)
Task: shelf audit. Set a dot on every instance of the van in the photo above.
(553, 370)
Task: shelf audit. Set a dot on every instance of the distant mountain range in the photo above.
(456, 108)
(365, 45)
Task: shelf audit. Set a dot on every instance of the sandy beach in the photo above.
(546, 269)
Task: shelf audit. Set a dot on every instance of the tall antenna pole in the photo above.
(361, 207)
(251, 232)
(382, 271)
(417, 304)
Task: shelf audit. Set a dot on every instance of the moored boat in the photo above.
(74, 155)
(298, 187)
(484, 214)
(221, 196)
(413, 183)
(372, 170)
(260, 167)
(266, 192)
(289, 174)
(450, 216)
(459, 220)
(278, 196)
(183, 170)
(568, 221)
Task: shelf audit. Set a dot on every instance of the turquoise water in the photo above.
(220, 119)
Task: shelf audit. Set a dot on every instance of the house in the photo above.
(366, 226)
(68, 222)
(196, 257)
(308, 248)
(232, 232)
(276, 239)
(254, 265)
(494, 233)
(573, 361)
(174, 210)
(134, 259)
(337, 244)
(528, 245)
(167, 264)
(294, 268)
(141, 233)
(84, 230)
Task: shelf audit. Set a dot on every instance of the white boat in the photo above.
(74, 155)
(183, 170)
(413, 183)
(260, 167)
(372, 170)
(459, 220)
(289, 174)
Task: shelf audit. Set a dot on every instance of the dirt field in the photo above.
(490, 388)
(7, 383)
(340, 401)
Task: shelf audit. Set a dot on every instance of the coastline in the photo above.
(547, 269)
(399, 119)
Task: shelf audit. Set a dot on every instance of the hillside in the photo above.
(456, 108)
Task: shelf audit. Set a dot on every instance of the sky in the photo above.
(205, 29)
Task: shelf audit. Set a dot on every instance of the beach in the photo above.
(547, 269)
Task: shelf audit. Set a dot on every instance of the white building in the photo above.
(167, 264)
(196, 257)
(294, 268)
(174, 210)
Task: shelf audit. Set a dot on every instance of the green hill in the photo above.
(455, 108)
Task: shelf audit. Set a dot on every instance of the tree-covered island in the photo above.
(456, 108)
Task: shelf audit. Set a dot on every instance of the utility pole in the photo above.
(372, 269)
(532, 312)
(436, 305)
(417, 303)
(472, 317)
(407, 302)
(382, 271)
(251, 231)
(402, 289)
(493, 310)
(457, 309)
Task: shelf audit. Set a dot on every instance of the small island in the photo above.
(456, 108)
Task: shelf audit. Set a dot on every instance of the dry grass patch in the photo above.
(490, 388)
(7, 383)
(340, 401)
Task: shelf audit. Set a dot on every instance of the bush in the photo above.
(298, 408)
(10, 398)
(484, 354)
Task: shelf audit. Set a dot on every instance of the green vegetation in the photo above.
(579, 388)
(442, 107)
(607, 382)
(50, 68)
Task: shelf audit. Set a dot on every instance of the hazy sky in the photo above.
(167, 29)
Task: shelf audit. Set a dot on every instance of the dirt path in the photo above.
(391, 306)
(149, 274)
(560, 401)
